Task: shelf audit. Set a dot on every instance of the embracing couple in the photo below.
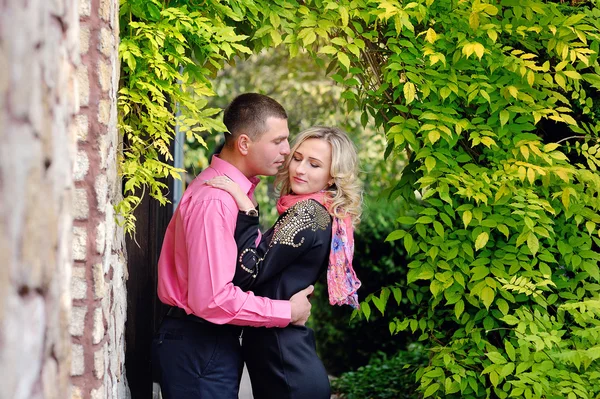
(221, 276)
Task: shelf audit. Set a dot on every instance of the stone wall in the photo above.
(38, 57)
(99, 270)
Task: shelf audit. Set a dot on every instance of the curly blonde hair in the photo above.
(345, 193)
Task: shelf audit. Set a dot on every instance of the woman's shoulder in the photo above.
(307, 218)
(303, 214)
(310, 208)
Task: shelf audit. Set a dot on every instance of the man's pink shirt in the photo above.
(198, 257)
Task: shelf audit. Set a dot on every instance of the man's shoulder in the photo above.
(200, 194)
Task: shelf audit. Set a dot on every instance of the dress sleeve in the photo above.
(295, 233)
(247, 264)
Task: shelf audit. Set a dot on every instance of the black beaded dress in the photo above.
(283, 362)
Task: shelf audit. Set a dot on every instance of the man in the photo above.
(197, 347)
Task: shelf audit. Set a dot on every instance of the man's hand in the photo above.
(301, 306)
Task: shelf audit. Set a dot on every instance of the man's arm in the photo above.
(212, 252)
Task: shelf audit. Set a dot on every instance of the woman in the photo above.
(319, 206)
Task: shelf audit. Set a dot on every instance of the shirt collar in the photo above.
(223, 167)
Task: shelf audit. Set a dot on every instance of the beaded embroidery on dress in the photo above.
(302, 216)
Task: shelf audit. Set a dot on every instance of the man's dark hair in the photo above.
(248, 113)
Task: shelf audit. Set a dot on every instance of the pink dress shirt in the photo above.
(198, 257)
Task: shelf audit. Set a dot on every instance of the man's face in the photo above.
(267, 154)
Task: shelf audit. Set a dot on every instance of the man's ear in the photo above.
(243, 144)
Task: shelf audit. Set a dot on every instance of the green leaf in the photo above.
(409, 92)
(592, 270)
(510, 350)
(459, 308)
(408, 242)
(379, 304)
(344, 60)
(433, 136)
(487, 296)
(431, 390)
(365, 309)
(533, 243)
(496, 357)
(592, 79)
(481, 240)
(502, 306)
(467, 217)
(503, 229)
(504, 115)
(510, 320)
(430, 163)
(328, 50)
(479, 272)
(439, 229)
(507, 370)
(395, 235)
(406, 220)
(153, 10)
(397, 294)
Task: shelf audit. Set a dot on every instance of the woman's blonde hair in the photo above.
(345, 193)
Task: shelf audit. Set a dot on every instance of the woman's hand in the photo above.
(225, 183)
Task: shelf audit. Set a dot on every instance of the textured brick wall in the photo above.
(99, 272)
(38, 57)
(62, 263)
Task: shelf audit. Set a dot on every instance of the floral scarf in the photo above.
(342, 282)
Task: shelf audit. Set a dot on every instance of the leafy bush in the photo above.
(384, 377)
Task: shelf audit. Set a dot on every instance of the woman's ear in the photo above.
(243, 144)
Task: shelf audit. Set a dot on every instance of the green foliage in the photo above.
(169, 51)
(503, 223)
(383, 377)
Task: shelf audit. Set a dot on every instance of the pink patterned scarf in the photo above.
(342, 282)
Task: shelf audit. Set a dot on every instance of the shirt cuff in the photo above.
(282, 313)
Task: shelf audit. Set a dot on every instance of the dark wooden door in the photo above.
(144, 310)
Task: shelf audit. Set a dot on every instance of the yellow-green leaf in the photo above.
(510, 350)
(504, 115)
(431, 390)
(328, 50)
(467, 216)
(433, 136)
(409, 92)
(344, 15)
(496, 357)
(430, 36)
(487, 296)
(459, 308)
(479, 49)
(344, 60)
(481, 240)
(532, 243)
(430, 163)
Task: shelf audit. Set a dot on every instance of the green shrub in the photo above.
(384, 377)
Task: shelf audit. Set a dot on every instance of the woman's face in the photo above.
(309, 167)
